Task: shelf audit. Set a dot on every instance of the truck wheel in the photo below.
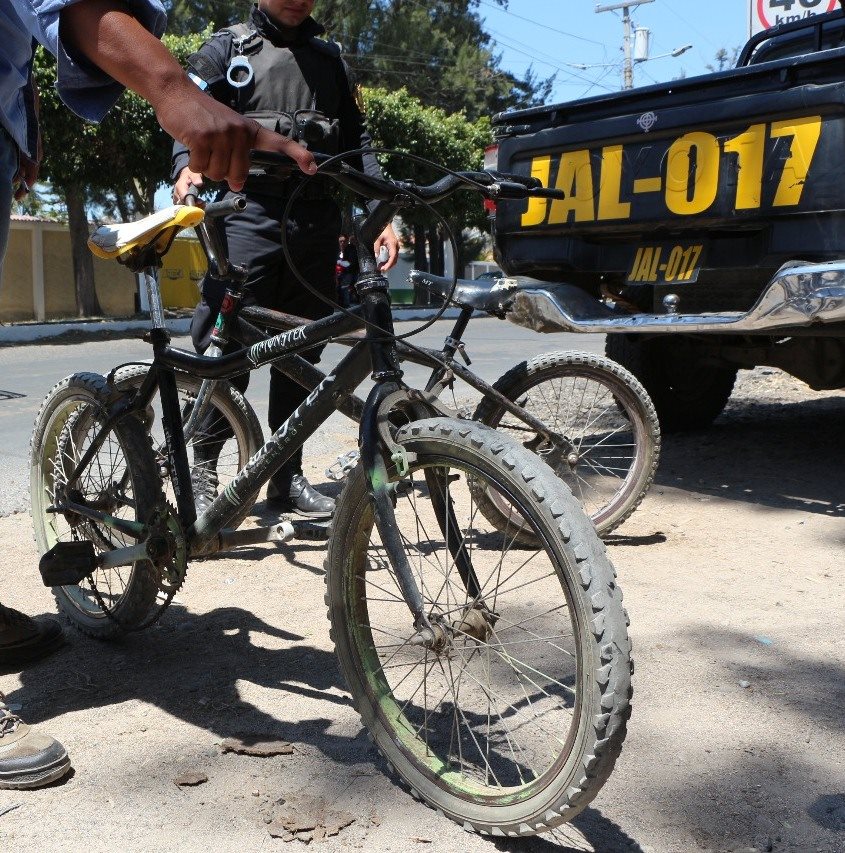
(686, 393)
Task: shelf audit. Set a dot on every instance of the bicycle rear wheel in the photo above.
(121, 480)
(214, 461)
(514, 722)
(608, 436)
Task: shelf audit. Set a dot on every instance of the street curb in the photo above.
(29, 333)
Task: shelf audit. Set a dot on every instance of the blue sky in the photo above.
(553, 35)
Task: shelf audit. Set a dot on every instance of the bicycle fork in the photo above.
(376, 442)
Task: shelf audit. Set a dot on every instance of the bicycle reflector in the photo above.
(491, 161)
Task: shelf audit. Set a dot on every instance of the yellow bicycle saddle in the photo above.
(125, 239)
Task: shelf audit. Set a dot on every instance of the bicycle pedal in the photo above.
(340, 469)
(314, 531)
(67, 563)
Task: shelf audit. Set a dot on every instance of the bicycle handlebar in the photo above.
(225, 207)
(493, 185)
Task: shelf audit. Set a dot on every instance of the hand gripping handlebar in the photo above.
(492, 184)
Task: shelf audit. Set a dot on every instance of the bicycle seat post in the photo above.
(149, 274)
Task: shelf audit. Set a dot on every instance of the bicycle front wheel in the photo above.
(607, 436)
(514, 721)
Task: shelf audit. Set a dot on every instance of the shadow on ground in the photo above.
(774, 454)
(168, 666)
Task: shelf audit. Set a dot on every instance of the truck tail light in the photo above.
(491, 161)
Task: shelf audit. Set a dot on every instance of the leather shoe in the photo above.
(24, 640)
(205, 483)
(299, 498)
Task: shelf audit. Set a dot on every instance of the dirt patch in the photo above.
(733, 576)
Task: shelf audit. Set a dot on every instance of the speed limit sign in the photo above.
(769, 13)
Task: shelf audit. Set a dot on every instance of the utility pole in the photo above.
(628, 68)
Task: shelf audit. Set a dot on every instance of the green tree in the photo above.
(115, 165)
(724, 59)
(397, 120)
(438, 50)
(185, 17)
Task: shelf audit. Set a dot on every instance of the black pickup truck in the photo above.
(704, 224)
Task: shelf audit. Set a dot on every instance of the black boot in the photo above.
(294, 494)
(24, 640)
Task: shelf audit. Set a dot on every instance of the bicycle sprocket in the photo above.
(171, 564)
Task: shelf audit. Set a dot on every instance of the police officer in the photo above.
(275, 68)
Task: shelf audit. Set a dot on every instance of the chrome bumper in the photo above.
(800, 294)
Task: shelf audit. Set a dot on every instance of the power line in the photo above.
(552, 64)
(539, 24)
(500, 39)
(691, 26)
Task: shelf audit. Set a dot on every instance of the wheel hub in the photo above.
(553, 453)
(476, 623)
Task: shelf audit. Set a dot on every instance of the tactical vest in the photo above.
(294, 90)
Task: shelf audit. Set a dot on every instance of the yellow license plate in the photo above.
(666, 263)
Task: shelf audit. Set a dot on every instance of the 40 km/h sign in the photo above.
(764, 14)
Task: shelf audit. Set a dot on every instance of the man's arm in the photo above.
(28, 166)
(218, 138)
(207, 69)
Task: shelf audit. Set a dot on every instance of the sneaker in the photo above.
(28, 759)
(300, 498)
(24, 640)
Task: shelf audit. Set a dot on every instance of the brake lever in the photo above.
(530, 183)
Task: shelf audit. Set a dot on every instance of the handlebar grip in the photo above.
(509, 190)
(548, 192)
(225, 207)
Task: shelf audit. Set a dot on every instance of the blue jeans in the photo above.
(8, 167)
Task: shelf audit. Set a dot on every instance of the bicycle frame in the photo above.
(376, 351)
(442, 363)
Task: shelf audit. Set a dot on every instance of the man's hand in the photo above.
(388, 238)
(25, 177)
(185, 183)
(218, 138)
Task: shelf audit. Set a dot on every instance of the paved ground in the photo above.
(30, 371)
(732, 571)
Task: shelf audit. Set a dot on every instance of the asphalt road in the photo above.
(30, 371)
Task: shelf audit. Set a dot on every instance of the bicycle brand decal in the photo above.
(269, 348)
(267, 457)
(766, 166)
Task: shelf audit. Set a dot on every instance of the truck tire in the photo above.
(686, 393)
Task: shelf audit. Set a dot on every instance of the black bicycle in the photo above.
(586, 416)
(494, 675)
